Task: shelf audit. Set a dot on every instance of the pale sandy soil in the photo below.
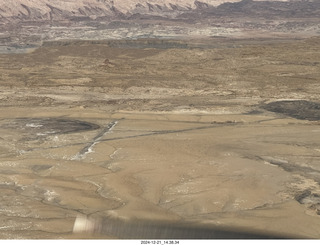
(160, 134)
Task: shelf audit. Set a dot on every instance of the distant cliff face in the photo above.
(57, 9)
(60, 10)
(26, 22)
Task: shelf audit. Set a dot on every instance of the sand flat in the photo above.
(170, 135)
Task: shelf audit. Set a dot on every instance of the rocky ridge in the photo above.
(55, 9)
(29, 23)
(36, 10)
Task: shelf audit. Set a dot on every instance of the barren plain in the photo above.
(221, 132)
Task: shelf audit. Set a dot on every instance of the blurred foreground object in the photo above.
(146, 229)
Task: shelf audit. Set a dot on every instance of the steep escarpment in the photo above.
(92, 9)
(48, 9)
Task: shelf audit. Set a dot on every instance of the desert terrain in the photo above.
(221, 132)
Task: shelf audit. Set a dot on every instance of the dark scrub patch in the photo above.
(300, 109)
(49, 126)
